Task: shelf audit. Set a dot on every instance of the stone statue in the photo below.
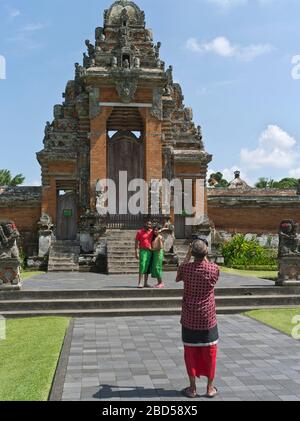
(137, 62)
(91, 48)
(288, 255)
(45, 235)
(126, 64)
(48, 129)
(114, 62)
(157, 49)
(8, 240)
(9, 256)
(288, 239)
(99, 33)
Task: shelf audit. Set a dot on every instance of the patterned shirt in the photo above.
(198, 306)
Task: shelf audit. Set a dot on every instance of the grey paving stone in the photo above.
(142, 359)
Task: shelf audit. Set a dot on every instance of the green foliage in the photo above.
(6, 179)
(23, 259)
(217, 180)
(285, 183)
(240, 252)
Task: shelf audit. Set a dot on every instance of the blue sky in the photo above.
(233, 59)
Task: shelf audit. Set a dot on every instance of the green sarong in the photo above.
(145, 259)
(157, 264)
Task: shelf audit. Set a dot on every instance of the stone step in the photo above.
(70, 259)
(162, 311)
(141, 302)
(147, 293)
(117, 259)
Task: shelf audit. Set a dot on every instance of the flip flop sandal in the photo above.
(213, 396)
(188, 394)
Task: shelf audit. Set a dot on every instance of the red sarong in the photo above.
(201, 361)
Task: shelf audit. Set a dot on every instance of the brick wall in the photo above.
(252, 212)
(26, 220)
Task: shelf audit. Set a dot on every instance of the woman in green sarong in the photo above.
(157, 257)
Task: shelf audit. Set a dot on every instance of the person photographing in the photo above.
(199, 322)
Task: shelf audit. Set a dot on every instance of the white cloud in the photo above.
(276, 149)
(223, 47)
(295, 173)
(31, 27)
(13, 13)
(229, 4)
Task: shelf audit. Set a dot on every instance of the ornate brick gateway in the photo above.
(122, 112)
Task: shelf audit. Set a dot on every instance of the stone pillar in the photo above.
(153, 146)
(98, 152)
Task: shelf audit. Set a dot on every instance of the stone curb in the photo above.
(61, 369)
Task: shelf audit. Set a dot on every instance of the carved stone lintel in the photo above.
(126, 83)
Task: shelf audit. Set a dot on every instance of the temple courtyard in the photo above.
(129, 348)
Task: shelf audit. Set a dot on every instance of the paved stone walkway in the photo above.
(142, 359)
(93, 281)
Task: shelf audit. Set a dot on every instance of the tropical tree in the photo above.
(288, 183)
(6, 179)
(217, 180)
(264, 183)
(285, 183)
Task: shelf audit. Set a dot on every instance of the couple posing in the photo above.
(149, 250)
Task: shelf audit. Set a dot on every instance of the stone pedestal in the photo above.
(204, 231)
(10, 274)
(289, 271)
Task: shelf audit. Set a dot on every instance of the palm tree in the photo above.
(6, 179)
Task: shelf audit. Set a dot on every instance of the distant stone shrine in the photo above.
(9, 256)
(289, 254)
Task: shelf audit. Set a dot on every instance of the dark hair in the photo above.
(157, 226)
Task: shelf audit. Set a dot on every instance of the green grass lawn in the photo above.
(29, 356)
(272, 275)
(27, 275)
(279, 319)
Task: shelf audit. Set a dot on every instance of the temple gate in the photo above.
(121, 112)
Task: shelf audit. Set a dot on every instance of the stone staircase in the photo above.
(134, 302)
(64, 256)
(120, 252)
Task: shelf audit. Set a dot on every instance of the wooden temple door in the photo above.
(125, 153)
(66, 224)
